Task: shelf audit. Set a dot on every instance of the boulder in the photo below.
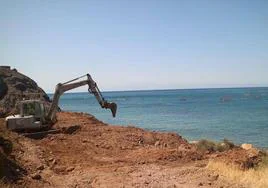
(15, 87)
(40, 167)
(246, 146)
(69, 169)
(36, 176)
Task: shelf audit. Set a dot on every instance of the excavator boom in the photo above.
(92, 88)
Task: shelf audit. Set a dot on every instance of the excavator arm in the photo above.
(92, 88)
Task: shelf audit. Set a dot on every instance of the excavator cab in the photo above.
(31, 116)
(32, 107)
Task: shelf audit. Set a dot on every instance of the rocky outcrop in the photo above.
(15, 87)
(3, 88)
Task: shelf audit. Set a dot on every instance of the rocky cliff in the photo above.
(14, 87)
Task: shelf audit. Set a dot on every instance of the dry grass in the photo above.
(264, 161)
(257, 177)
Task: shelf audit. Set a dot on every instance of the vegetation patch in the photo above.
(264, 162)
(211, 146)
(254, 177)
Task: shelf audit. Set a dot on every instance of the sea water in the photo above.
(238, 114)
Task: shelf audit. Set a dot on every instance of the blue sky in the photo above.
(137, 44)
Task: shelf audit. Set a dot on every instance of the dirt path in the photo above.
(92, 154)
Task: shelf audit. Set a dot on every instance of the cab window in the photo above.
(28, 109)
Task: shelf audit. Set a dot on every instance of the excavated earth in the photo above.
(90, 153)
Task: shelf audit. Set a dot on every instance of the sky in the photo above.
(137, 44)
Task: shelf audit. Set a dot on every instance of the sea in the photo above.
(237, 114)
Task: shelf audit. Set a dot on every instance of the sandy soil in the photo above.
(90, 153)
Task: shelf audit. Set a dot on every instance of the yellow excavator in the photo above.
(35, 116)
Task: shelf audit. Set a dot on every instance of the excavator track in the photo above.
(41, 134)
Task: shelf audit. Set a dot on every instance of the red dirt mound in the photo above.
(90, 153)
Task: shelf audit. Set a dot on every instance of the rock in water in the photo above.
(15, 87)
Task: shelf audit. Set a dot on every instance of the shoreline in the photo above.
(177, 132)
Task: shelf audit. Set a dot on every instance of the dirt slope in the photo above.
(90, 153)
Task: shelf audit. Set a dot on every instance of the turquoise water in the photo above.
(240, 114)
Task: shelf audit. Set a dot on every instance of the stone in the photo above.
(59, 169)
(201, 165)
(84, 140)
(214, 178)
(146, 182)
(40, 167)
(193, 142)
(36, 176)
(157, 143)
(54, 162)
(69, 169)
(246, 146)
(51, 159)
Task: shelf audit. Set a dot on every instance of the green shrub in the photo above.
(211, 146)
(206, 145)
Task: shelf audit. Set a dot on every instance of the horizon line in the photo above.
(170, 89)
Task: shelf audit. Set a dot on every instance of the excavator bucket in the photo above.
(113, 108)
